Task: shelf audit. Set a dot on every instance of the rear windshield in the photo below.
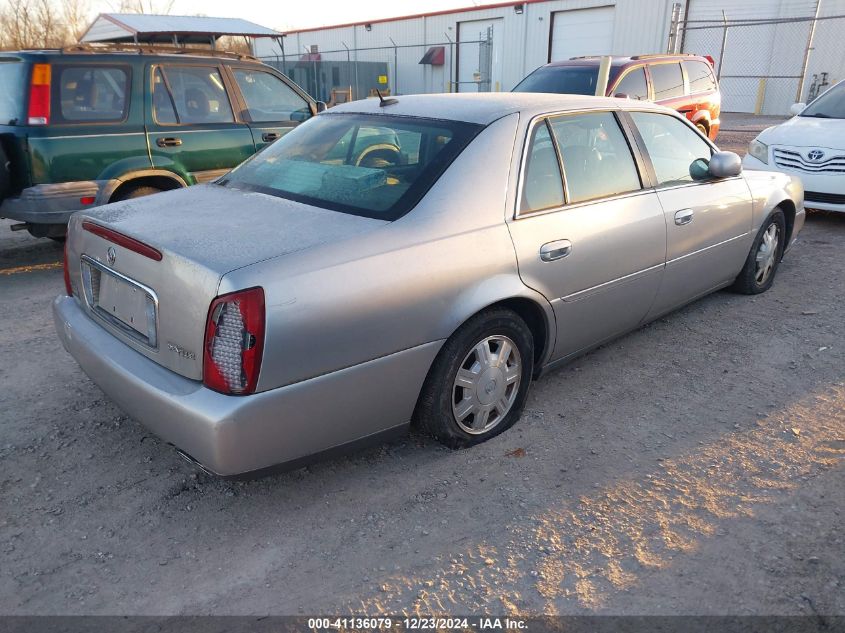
(378, 166)
(11, 91)
(573, 80)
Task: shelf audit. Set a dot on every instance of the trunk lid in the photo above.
(159, 307)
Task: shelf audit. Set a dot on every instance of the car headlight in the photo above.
(759, 150)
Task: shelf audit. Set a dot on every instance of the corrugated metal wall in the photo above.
(641, 26)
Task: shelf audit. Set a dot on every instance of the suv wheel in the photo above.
(137, 191)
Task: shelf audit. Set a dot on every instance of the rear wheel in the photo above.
(763, 259)
(479, 382)
(138, 191)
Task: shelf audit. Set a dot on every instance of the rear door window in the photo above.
(633, 85)
(667, 80)
(700, 76)
(597, 161)
(190, 95)
(11, 91)
(92, 94)
(542, 185)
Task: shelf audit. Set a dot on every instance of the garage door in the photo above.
(581, 32)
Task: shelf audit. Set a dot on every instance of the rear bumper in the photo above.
(231, 435)
(52, 204)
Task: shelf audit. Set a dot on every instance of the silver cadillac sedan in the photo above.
(417, 260)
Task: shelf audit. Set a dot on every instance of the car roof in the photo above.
(486, 107)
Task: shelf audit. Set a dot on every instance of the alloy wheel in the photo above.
(486, 384)
(767, 254)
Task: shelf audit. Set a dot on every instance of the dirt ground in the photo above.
(694, 466)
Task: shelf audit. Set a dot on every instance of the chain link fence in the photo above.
(346, 74)
(766, 65)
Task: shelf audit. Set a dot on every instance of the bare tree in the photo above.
(41, 23)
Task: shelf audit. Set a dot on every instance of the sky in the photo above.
(289, 15)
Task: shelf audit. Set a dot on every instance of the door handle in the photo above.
(684, 216)
(168, 141)
(269, 137)
(558, 249)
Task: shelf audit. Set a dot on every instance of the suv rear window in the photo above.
(700, 77)
(11, 91)
(377, 166)
(92, 94)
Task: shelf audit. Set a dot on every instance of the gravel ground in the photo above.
(694, 466)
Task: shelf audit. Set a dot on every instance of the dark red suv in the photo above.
(685, 83)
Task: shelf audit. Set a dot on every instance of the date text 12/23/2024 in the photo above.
(417, 624)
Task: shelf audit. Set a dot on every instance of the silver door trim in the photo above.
(51, 138)
(707, 248)
(581, 294)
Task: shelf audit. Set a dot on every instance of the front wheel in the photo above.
(479, 381)
(761, 265)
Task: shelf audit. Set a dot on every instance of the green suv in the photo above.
(87, 125)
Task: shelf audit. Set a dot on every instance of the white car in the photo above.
(811, 146)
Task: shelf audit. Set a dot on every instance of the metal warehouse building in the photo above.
(767, 51)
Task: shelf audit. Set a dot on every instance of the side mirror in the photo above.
(796, 108)
(725, 165)
(621, 95)
(316, 107)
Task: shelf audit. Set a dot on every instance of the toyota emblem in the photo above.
(111, 255)
(815, 155)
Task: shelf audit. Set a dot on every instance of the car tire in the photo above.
(490, 393)
(761, 265)
(135, 192)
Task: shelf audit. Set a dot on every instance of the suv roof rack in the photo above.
(659, 55)
(152, 49)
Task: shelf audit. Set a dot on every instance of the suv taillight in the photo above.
(234, 342)
(39, 95)
(68, 287)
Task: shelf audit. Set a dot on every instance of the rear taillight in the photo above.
(68, 287)
(234, 342)
(39, 95)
